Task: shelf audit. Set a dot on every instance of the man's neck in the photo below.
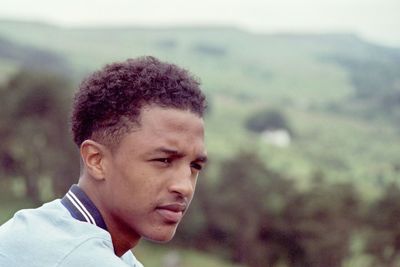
(121, 239)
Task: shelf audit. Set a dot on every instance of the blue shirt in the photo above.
(66, 232)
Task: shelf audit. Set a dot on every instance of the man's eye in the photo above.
(196, 166)
(163, 160)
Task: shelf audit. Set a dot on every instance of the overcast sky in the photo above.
(374, 20)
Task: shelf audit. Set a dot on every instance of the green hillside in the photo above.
(308, 77)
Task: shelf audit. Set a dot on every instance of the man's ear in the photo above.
(93, 156)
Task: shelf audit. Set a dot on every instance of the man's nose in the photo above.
(183, 182)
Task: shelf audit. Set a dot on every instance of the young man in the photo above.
(139, 127)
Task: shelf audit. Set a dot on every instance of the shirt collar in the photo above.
(82, 208)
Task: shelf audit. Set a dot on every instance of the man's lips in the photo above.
(172, 213)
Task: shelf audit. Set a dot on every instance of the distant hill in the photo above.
(30, 57)
(340, 93)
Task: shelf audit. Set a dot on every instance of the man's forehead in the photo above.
(168, 129)
(155, 108)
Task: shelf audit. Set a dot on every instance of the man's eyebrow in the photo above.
(173, 152)
(168, 151)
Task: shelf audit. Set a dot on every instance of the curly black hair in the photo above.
(108, 102)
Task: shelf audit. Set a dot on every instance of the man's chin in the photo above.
(160, 238)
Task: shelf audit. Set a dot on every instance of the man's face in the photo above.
(151, 176)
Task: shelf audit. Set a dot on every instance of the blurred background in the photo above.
(303, 126)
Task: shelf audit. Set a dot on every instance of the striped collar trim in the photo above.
(82, 208)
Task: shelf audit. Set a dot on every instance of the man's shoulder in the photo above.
(96, 252)
(47, 235)
(91, 252)
(52, 221)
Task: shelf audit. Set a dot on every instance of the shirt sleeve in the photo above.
(6, 261)
(95, 252)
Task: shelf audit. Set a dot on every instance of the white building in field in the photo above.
(278, 137)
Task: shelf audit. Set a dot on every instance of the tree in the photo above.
(34, 131)
(383, 230)
(249, 200)
(259, 217)
(320, 221)
(267, 119)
